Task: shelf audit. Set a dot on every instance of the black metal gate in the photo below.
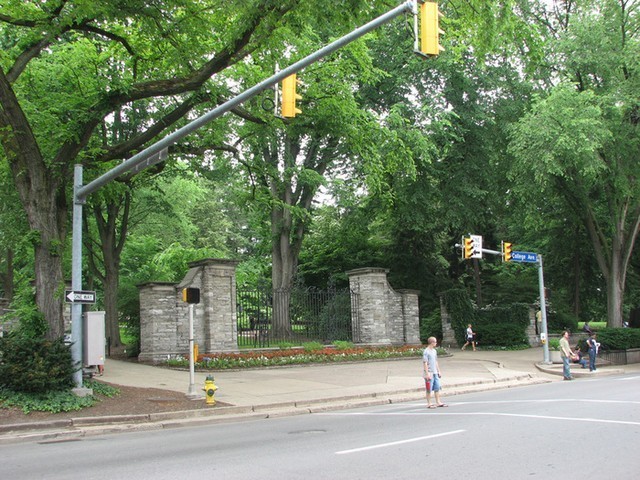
(311, 315)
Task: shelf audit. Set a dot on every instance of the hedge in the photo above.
(619, 338)
(500, 326)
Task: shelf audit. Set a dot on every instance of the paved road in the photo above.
(554, 430)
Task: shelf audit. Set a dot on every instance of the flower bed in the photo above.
(292, 356)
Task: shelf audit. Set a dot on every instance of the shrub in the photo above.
(312, 346)
(55, 402)
(557, 322)
(431, 326)
(502, 334)
(343, 345)
(619, 338)
(554, 344)
(461, 310)
(35, 364)
(502, 326)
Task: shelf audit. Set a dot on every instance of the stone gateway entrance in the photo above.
(383, 316)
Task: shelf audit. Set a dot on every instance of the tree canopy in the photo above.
(525, 129)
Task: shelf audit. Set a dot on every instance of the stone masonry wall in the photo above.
(158, 321)
(385, 316)
(164, 317)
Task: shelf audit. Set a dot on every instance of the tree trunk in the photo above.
(7, 278)
(49, 282)
(478, 284)
(283, 272)
(43, 195)
(615, 293)
(613, 254)
(112, 228)
(576, 286)
(112, 329)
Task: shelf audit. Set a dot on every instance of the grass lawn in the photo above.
(593, 325)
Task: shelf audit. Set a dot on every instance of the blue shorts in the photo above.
(433, 385)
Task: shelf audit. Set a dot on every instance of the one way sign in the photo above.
(80, 296)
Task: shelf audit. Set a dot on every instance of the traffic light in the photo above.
(468, 248)
(430, 29)
(191, 295)
(506, 251)
(289, 97)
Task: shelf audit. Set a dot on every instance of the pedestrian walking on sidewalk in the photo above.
(432, 373)
(470, 337)
(593, 345)
(567, 355)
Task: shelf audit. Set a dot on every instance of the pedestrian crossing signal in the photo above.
(191, 295)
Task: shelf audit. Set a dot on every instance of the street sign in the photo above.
(524, 257)
(80, 296)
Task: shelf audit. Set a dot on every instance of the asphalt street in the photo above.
(553, 430)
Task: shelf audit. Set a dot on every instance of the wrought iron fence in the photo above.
(267, 317)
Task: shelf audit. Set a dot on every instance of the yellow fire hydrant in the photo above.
(210, 390)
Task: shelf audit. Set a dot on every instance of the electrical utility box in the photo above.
(94, 338)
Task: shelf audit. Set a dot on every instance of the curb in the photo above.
(74, 428)
(556, 369)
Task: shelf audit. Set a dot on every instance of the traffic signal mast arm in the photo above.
(492, 252)
(82, 192)
(483, 250)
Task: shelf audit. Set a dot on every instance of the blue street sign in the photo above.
(524, 257)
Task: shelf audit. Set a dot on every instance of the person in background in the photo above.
(431, 373)
(470, 337)
(593, 345)
(579, 358)
(586, 328)
(567, 355)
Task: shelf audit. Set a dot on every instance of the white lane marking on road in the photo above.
(626, 378)
(496, 414)
(550, 400)
(399, 442)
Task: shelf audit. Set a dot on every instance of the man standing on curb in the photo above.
(432, 373)
(566, 354)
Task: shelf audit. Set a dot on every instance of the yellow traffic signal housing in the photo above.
(506, 251)
(289, 97)
(191, 295)
(468, 247)
(430, 29)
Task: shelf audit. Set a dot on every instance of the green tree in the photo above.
(580, 140)
(70, 69)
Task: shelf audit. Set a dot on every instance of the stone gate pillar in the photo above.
(411, 316)
(217, 326)
(158, 326)
(164, 317)
(384, 316)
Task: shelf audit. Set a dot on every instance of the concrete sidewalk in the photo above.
(329, 382)
(269, 392)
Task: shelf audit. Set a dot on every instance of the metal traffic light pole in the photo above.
(157, 152)
(544, 337)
